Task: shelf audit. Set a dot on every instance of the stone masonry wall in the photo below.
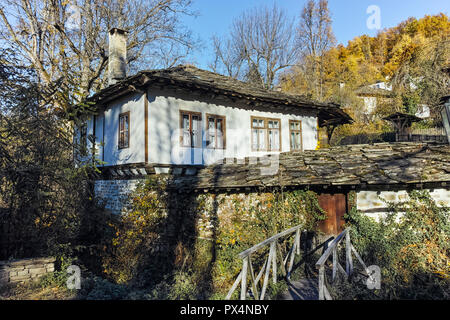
(372, 204)
(114, 194)
(25, 269)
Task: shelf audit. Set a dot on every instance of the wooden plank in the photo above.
(282, 265)
(330, 249)
(245, 253)
(348, 255)
(258, 277)
(359, 259)
(233, 288)
(326, 293)
(254, 284)
(266, 276)
(244, 279)
(341, 269)
(333, 278)
(297, 241)
(321, 282)
(291, 260)
(274, 261)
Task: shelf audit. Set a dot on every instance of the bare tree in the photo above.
(260, 46)
(315, 37)
(66, 41)
(227, 57)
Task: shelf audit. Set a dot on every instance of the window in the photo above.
(191, 129)
(215, 132)
(124, 130)
(266, 134)
(295, 132)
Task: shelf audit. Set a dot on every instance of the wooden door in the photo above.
(335, 205)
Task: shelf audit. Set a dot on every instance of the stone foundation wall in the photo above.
(25, 269)
(114, 194)
(372, 204)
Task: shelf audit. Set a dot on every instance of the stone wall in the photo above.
(114, 194)
(372, 204)
(25, 269)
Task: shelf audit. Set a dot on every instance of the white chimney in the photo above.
(117, 61)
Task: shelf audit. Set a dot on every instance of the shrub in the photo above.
(411, 246)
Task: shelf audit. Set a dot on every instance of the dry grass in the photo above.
(33, 291)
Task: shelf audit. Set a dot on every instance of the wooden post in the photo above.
(235, 284)
(297, 241)
(254, 284)
(273, 248)
(266, 276)
(333, 278)
(291, 260)
(321, 282)
(348, 254)
(244, 278)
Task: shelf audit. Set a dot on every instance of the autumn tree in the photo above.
(260, 46)
(315, 38)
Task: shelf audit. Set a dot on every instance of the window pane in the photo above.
(219, 133)
(196, 131)
(211, 123)
(262, 139)
(255, 139)
(255, 123)
(185, 121)
(293, 141)
(274, 142)
(125, 119)
(273, 124)
(219, 125)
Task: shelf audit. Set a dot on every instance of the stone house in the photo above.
(210, 134)
(187, 116)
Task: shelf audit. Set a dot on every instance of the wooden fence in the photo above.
(270, 263)
(332, 250)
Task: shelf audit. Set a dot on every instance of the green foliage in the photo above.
(202, 268)
(410, 245)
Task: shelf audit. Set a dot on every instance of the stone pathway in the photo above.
(304, 289)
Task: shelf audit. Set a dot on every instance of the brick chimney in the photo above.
(117, 63)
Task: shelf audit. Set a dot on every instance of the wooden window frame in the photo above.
(200, 136)
(127, 146)
(299, 131)
(224, 130)
(266, 127)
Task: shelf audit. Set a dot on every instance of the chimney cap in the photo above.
(118, 30)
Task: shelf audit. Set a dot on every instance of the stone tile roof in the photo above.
(193, 78)
(363, 166)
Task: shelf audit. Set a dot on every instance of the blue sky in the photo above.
(349, 16)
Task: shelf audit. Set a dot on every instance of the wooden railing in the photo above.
(333, 250)
(269, 264)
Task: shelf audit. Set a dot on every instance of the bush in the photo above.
(145, 251)
(411, 246)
